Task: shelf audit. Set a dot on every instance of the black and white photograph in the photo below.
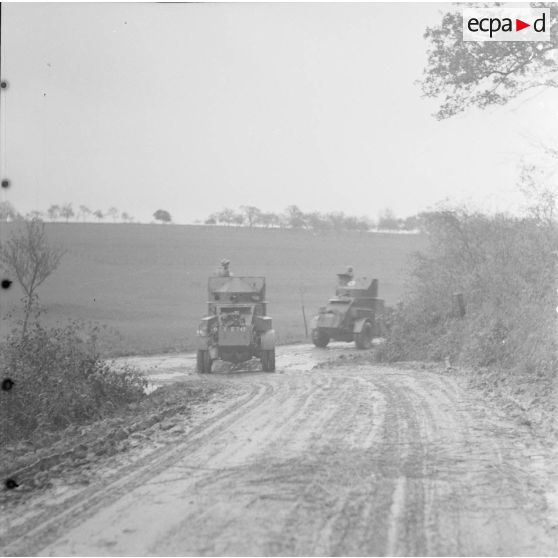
(278, 279)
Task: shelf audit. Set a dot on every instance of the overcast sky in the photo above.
(194, 107)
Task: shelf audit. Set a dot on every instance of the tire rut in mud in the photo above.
(343, 460)
(47, 526)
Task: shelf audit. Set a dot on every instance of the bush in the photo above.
(60, 379)
(506, 269)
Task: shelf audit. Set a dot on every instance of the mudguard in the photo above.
(263, 323)
(202, 337)
(268, 340)
(358, 325)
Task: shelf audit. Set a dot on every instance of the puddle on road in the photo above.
(161, 370)
(166, 369)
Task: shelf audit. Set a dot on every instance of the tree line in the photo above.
(294, 218)
(67, 213)
(245, 216)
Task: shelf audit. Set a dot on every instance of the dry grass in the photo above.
(506, 269)
(59, 379)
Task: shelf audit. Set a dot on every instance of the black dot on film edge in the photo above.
(6, 283)
(7, 384)
(5, 183)
(10, 484)
(3, 84)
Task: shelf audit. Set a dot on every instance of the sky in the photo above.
(195, 107)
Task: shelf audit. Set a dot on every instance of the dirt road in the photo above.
(321, 458)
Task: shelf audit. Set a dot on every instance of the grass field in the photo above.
(149, 281)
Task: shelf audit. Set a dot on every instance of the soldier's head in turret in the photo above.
(224, 271)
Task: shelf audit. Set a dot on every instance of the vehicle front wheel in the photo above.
(319, 338)
(268, 360)
(363, 340)
(203, 362)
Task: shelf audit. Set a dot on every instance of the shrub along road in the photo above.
(331, 456)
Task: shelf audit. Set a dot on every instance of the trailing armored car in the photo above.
(355, 314)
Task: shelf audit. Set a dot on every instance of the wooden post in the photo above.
(303, 312)
(459, 305)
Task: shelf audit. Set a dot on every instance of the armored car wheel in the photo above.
(319, 338)
(268, 360)
(203, 362)
(363, 340)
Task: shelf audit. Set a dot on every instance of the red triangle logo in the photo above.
(519, 25)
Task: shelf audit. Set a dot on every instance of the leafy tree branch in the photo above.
(464, 74)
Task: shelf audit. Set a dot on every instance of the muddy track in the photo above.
(49, 524)
(339, 460)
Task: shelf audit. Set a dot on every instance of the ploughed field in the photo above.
(149, 282)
